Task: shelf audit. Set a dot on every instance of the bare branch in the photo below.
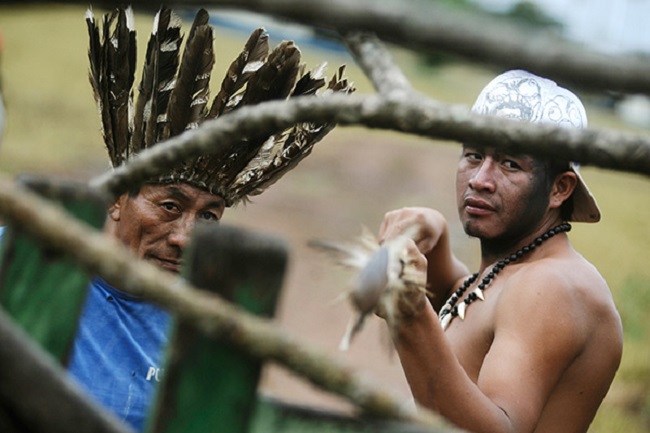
(104, 256)
(603, 148)
(425, 26)
(377, 63)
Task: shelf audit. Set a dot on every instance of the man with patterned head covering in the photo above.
(118, 350)
(531, 341)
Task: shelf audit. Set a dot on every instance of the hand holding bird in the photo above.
(391, 278)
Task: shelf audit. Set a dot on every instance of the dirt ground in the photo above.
(351, 179)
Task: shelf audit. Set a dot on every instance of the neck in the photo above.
(498, 248)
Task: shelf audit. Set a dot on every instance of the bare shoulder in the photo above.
(565, 294)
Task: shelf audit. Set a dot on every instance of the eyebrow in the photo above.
(180, 195)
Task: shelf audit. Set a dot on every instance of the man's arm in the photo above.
(536, 337)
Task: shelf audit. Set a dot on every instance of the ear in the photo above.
(562, 189)
(115, 210)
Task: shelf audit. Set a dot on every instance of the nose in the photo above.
(179, 236)
(483, 177)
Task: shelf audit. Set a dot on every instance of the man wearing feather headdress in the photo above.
(532, 341)
(119, 345)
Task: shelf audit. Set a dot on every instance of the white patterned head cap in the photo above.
(520, 95)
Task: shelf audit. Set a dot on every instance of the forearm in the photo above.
(444, 270)
(439, 382)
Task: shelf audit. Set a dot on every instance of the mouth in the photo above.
(477, 207)
(172, 265)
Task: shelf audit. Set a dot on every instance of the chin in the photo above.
(476, 229)
(472, 227)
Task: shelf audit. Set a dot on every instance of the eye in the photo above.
(170, 206)
(511, 165)
(209, 216)
(473, 156)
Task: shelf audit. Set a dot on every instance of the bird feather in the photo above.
(112, 68)
(158, 79)
(247, 62)
(276, 78)
(191, 91)
(282, 152)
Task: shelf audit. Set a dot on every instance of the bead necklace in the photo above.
(451, 310)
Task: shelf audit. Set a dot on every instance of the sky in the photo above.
(613, 26)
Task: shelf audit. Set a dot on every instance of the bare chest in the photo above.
(471, 338)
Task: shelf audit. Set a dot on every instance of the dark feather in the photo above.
(111, 76)
(145, 89)
(119, 57)
(172, 99)
(249, 61)
(94, 55)
(161, 64)
(276, 79)
(309, 83)
(191, 91)
(285, 150)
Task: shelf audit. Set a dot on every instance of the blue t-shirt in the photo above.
(118, 351)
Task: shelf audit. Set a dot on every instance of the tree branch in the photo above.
(377, 63)
(414, 115)
(424, 26)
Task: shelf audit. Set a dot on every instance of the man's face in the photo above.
(156, 223)
(500, 196)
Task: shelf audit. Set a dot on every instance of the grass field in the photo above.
(352, 178)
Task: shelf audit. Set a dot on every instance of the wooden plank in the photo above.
(274, 416)
(208, 385)
(36, 394)
(40, 288)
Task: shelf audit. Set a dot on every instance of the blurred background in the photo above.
(355, 175)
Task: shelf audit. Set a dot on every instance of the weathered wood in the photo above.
(36, 394)
(210, 385)
(42, 288)
(41, 291)
(274, 416)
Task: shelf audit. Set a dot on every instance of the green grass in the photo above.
(53, 128)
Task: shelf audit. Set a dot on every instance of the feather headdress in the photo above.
(173, 95)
